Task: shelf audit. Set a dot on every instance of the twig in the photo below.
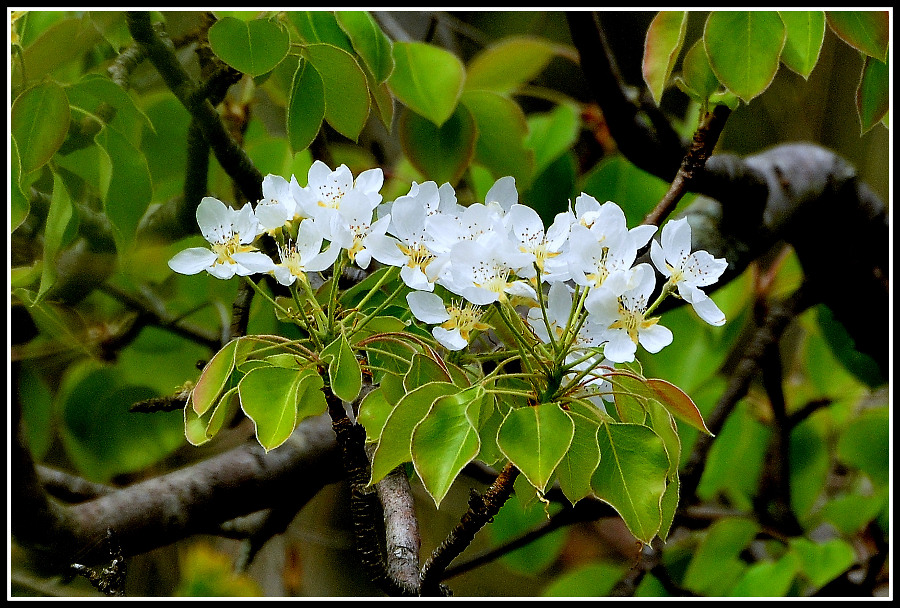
(402, 540)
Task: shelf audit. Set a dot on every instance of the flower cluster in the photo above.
(586, 295)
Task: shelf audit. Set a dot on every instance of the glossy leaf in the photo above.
(92, 90)
(427, 79)
(270, 397)
(696, 75)
(252, 47)
(866, 31)
(805, 34)
(213, 379)
(744, 49)
(873, 96)
(129, 189)
(344, 372)
(551, 134)
(423, 370)
(506, 65)
(631, 476)
(631, 396)
(442, 153)
(39, 120)
(223, 413)
(519, 515)
(373, 413)
(581, 459)
(384, 102)
(346, 90)
(678, 403)
(661, 48)
(320, 27)
(536, 439)
(60, 227)
(306, 107)
(502, 130)
(369, 42)
(446, 440)
(396, 436)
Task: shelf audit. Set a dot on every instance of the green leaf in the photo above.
(396, 436)
(631, 395)
(506, 65)
(373, 413)
(581, 459)
(744, 49)
(213, 378)
(223, 413)
(369, 41)
(842, 346)
(502, 129)
(865, 444)
(822, 563)
(39, 120)
(518, 516)
(93, 90)
(441, 153)
(715, 566)
(427, 79)
(320, 27)
(536, 439)
(63, 44)
(696, 74)
(551, 134)
(446, 440)
(631, 476)
(853, 512)
(423, 370)
(129, 189)
(873, 96)
(346, 90)
(593, 579)
(384, 103)
(344, 372)
(678, 403)
(306, 107)
(866, 31)
(252, 47)
(805, 33)
(768, 579)
(60, 228)
(661, 48)
(19, 205)
(270, 396)
(810, 466)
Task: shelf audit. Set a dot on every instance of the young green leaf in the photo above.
(373, 413)
(744, 49)
(768, 578)
(866, 31)
(60, 228)
(306, 107)
(320, 27)
(369, 42)
(396, 436)
(505, 66)
(39, 120)
(446, 440)
(536, 439)
(696, 74)
(551, 134)
(715, 565)
(661, 48)
(252, 47)
(427, 79)
(196, 425)
(19, 205)
(821, 563)
(344, 372)
(223, 413)
(423, 370)
(270, 396)
(578, 465)
(631, 476)
(213, 379)
(441, 153)
(129, 188)
(345, 86)
(805, 33)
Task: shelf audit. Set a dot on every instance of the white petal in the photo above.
(385, 249)
(415, 278)
(655, 338)
(641, 234)
(503, 192)
(659, 258)
(427, 307)
(450, 338)
(620, 348)
(323, 260)
(193, 260)
(707, 310)
(253, 262)
(676, 241)
(222, 271)
(214, 218)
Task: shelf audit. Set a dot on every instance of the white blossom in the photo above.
(457, 321)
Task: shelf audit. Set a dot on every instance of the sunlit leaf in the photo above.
(508, 64)
(696, 75)
(346, 90)
(581, 459)
(252, 47)
(369, 42)
(213, 379)
(306, 107)
(866, 31)
(39, 120)
(551, 134)
(373, 413)
(270, 397)
(427, 79)
(661, 48)
(320, 27)
(631, 476)
(821, 563)
(423, 370)
(805, 33)
(535, 439)
(767, 578)
(744, 49)
(593, 579)
(130, 188)
(344, 372)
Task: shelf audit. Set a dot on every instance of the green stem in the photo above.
(361, 325)
(312, 331)
(262, 293)
(387, 276)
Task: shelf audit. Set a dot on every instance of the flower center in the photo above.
(418, 255)
(290, 259)
(465, 319)
(225, 249)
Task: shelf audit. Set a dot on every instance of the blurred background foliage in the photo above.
(70, 312)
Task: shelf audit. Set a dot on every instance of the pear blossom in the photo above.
(230, 234)
(543, 247)
(304, 255)
(352, 229)
(688, 271)
(277, 206)
(624, 318)
(457, 321)
(327, 190)
(481, 270)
